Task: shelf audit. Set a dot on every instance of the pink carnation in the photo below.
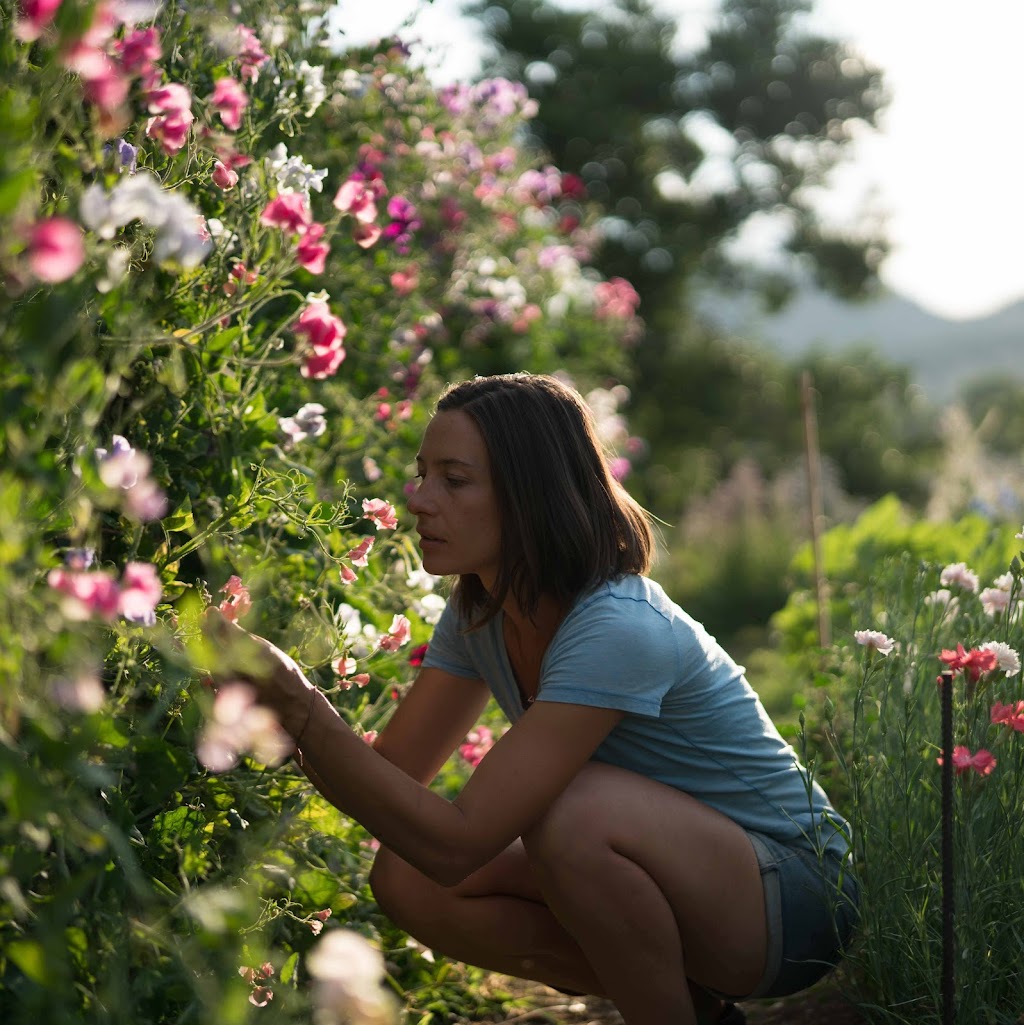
(982, 761)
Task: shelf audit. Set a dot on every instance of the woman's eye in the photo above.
(455, 482)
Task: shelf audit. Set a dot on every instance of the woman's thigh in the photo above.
(703, 863)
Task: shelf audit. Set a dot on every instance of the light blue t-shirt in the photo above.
(692, 720)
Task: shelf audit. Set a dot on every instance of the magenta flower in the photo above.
(229, 99)
(224, 177)
(477, 743)
(289, 212)
(138, 50)
(325, 334)
(381, 513)
(250, 53)
(140, 593)
(311, 252)
(35, 16)
(55, 249)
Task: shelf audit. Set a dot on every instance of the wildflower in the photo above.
(229, 99)
(293, 174)
(1006, 658)
(365, 235)
(140, 592)
(404, 221)
(982, 761)
(224, 177)
(381, 513)
(325, 334)
(139, 50)
(344, 666)
(356, 198)
(128, 156)
(971, 663)
(429, 608)
(1008, 715)
(994, 600)
(238, 600)
(957, 574)
(172, 105)
(35, 16)
(417, 655)
(397, 635)
(86, 594)
(261, 994)
(55, 249)
(249, 52)
(477, 743)
(308, 422)
(314, 92)
(874, 640)
(347, 973)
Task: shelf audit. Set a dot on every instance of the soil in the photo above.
(822, 1004)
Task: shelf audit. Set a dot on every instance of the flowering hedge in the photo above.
(238, 264)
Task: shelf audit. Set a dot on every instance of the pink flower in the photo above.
(477, 743)
(87, 594)
(344, 666)
(1009, 715)
(994, 600)
(619, 467)
(417, 655)
(35, 16)
(238, 600)
(404, 282)
(874, 640)
(138, 50)
(261, 996)
(289, 212)
(311, 252)
(172, 103)
(957, 574)
(173, 98)
(250, 53)
(365, 235)
(319, 365)
(397, 635)
(144, 501)
(348, 575)
(229, 99)
(381, 513)
(224, 177)
(971, 663)
(616, 299)
(140, 592)
(238, 724)
(359, 555)
(325, 334)
(55, 249)
(356, 199)
(982, 761)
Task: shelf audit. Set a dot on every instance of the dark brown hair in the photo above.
(566, 523)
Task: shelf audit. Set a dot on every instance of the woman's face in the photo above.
(455, 506)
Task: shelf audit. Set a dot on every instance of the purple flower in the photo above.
(128, 155)
(79, 558)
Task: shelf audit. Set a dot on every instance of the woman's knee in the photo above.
(398, 888)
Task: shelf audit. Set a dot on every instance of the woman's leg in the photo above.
(624, 889)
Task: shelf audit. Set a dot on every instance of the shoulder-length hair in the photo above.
(566, 524)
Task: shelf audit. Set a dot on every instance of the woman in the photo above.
(641, 831)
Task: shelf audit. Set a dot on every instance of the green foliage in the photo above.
(135, 882)
(875, 735)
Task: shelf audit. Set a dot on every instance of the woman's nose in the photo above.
(418, 500)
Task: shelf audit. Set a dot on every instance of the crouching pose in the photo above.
(641, 831)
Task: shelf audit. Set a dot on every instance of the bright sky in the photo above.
(947, 166)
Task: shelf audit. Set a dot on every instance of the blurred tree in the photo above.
(685, 151)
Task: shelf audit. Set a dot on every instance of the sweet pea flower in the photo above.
(982, 761)
(1007, 659)
(82, 693)
(121, 466)
(238, 600)
(381, 513)
(417, 655)
(355, 198)
(347, 973)
(139, 50)
(397, 635)
(874, 640)
(325, 334)
(140, 593)
(172, 105)
(238, 724)
(86, 594)
(365, 235)
(289, 212)
(360, 555)
(55, 249)
(249, 52)
(224, 177)
(35, 16)
(477, 743)
(308, 422)
(311, 252)
(229, 99)
(344, 666)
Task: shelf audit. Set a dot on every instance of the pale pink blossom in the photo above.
(289, 212)
(224, 177)
(83, 693)
(145, 501)
(616, 299)
(229, 99)
(994, 600)
(397, 635)
(348, 575)
(355, 198)
(237, 724)
(365, 235)
(55, 249)
(249, 52)
(359, 556)
(238, 600)
(140, 593)
(957, 574)
(477, 743)
(380, 513)
(87, 594)
(874, 640)
(344, 666)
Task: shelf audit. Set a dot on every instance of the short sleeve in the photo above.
(447, 649)
(616, 652)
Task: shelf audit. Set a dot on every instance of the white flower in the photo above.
(1020, 536)
(420, 580)
(118, 260)
(874, 640)
(221, 235)
(1006, 658)
(994, 600)
(293, 174)
(348, 974)
(314, 92)
(429, 607)
(308, 422)
(957, 573)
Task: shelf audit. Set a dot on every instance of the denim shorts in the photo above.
(811, 912)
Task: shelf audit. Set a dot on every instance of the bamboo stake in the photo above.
(813, 457)
(948, 993)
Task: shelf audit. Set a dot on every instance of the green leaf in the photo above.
(288, 968)
(14, 187)
(181, 518)
(30, 958)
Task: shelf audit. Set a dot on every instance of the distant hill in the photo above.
(941, 354)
